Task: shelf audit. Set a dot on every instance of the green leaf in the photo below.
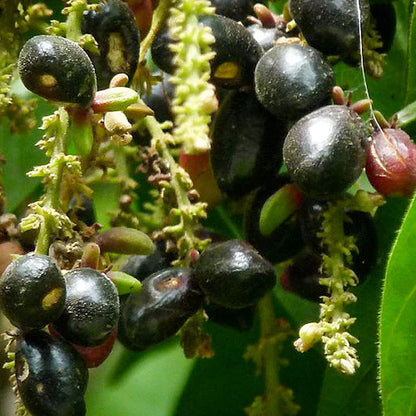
(21, 155)
(411, 61)
(151, 387)
(398, 324)
(387, 93)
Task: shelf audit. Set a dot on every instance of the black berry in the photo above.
(233, 274)
(331, 26)
(57, 69)
(51, 376)
(292, 80)
(91, 308)
(114, 28)
(167, 299)
(325, 151)
(247, 144)
(32, 292)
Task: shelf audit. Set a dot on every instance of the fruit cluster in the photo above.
(277, 141)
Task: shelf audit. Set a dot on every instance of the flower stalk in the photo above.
(195, 98)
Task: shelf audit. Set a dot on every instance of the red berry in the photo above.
(92, 356)
(391, 163)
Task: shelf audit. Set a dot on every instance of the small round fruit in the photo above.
(32, 292)
(233, 274)
(51, 376)
(331, 26)
(114, 28)
(391, 163)
(325, 151)
(239, 319)
(91, 308)
(266, 37)
(292, 80)
(57, 69)
(234, 9)
(247, 144)
(167, 299)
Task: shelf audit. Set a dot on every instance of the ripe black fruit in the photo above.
(266, 37)
(331, 26)
(240, 319)
(51, 376)
(57, 69)
(141, 266)
(325, 151)
(236, 52)
(292, 80)
(114, 28)
(247, 144)
(233, 274)
(91, 308)
(167, 299)
(32, 292)
(234, 9)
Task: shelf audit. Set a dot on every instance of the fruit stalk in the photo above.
(271, 356)
(159, 17)
(53, 190)
(334, 321)
(181, 184)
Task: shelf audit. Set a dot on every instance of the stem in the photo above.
(271, 356)
(52, 195)
(159, 142)
(73, 31)
(159, 17)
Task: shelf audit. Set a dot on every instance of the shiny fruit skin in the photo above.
(331, 26)
(234, 275)
(57, 69)
(168, 298)
(51, 376)
(234, 9)
(32, 292)
(265, 36)
(325, 151)
(292, 80)
(91, 308)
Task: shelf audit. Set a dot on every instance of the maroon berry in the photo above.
(391, 163)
